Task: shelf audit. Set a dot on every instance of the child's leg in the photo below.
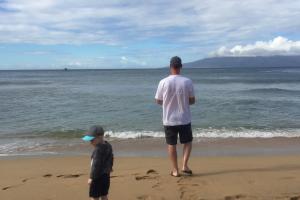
(104, 198)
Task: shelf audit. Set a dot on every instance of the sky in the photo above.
(87, 34)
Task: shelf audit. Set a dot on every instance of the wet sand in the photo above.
(156, 147)
(224, 169)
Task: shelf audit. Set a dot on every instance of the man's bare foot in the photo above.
(175, 173)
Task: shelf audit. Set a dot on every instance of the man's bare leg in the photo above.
(187, 148)
(173, 156)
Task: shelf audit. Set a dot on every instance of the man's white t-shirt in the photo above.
(175, 91)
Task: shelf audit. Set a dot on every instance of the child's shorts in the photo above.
(99, 187)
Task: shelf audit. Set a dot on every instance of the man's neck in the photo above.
(174, 71)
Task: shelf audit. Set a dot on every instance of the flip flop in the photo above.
(171, 173)
(187, 172)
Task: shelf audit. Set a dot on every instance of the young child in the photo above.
(101, 163)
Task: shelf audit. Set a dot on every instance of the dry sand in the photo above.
(228, 178)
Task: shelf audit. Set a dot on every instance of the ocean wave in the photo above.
(217, 81)
(245, 133)
(134, 134)
(77, 133)
(20, 146)
(271, 90)
(22, 83)
(29, 146)
(222, 132)
(213, 133)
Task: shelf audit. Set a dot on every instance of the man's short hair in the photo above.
(175, 62)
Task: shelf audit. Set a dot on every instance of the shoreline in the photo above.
(156, 147)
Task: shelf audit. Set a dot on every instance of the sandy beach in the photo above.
(215, 177)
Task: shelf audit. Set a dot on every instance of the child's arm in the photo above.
(96, 165)
(112, 162)
(111, 158)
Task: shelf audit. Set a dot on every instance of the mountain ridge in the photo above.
(246, 61)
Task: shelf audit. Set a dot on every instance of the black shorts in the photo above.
(184, 131)
(99, 187)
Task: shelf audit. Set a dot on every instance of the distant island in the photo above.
(258, 61)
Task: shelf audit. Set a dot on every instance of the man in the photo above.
(176, 93)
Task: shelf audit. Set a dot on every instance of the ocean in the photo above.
(42, 108)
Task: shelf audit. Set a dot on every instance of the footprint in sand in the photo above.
(25, 180)
(143, 197)
(287, 178)
(69, 176)
(156, 185)
(11, 186)
(182, 194)
(149, 175)
(149, 197)
(295, 198)
(180, 179)
(151, 171)
(47, 175)
(186, 194)
(238, 196)
(138, 178)
(187, 184)
(6, 188)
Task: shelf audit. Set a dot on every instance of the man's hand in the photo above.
(192, 100)
(160, 102)
(90, 181)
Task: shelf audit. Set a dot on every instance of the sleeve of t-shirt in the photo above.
(111, 157)
(159, 93)
(97, 164)
(191, 90)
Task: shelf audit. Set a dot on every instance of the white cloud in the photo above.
(145, 34)
(133, 62)
(75, 64)
(200, 22)
(277, 46)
